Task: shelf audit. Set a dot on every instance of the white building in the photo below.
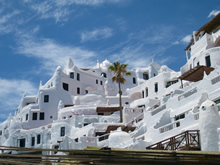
(78, 107)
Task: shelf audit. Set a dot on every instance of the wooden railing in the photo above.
(186, 140)
(96, 155)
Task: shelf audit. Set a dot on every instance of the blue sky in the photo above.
(38, 35)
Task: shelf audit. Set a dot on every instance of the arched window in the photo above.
(104, 74)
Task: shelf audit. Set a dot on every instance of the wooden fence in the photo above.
(98, 156)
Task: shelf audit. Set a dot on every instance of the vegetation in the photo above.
(119, 71)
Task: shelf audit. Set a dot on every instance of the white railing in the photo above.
(136, 119)
(187, 94)
(215, 80)
(169, 127)
(159, 109)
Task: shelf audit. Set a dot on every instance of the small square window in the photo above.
(32, 141)
(72, 75)
(62, 131)
(66, 86)
(34, 116)
(41, 115)
(78, 90)
(46, 98)
(38, 139)
(78, 76)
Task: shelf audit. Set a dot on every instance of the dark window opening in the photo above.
(46, 98)
(26, 117)
(97, 81)
(51, 117)
(142, 94)
(41, 115)
(104, 75)
(34, 116)
(100, 113)
(22, 142)
(146, 92)
(86, 91)
(78, 76)
(0, 132)
(62, 131)
(68, 105)
(38, 139)
(85, 124)
(72, 75)
(169, 83)
(78, 90)
(182, 116)
(208, 61)
(134, 80)
(156, 87)
(32, 141)
(66, 86)
(100, 82)
(145, 76)
(76, 140)
(177, 124)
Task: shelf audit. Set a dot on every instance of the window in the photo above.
(62, 131)
(142, 94)
(46, 98)
(26, 117)
(156, 87)
(66, 86)
(86, 91)
(32, 141)
(145, 76)
(38, 139)
(41, 115)
(78, 90)
(97, 81)
(134, 80)
(72, 75)
(0, 132)
(146, 92)
(100, 82)
(34, 116)
(104, 75)
(22, 142)
(208, 61)
(78, 76)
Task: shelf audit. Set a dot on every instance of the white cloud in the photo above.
(7, 22)
(213, 13)
(52, 54)
(96, 34)
(186, 39)
(11, 93)
(61, 10)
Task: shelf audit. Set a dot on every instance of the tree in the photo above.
(119, 71)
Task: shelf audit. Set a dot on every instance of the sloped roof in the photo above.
(196, 73)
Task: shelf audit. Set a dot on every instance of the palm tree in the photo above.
(119, 71)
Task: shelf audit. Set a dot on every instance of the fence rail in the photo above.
(185, 140)
(94, 155)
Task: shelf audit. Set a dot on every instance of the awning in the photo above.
(196, 73)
